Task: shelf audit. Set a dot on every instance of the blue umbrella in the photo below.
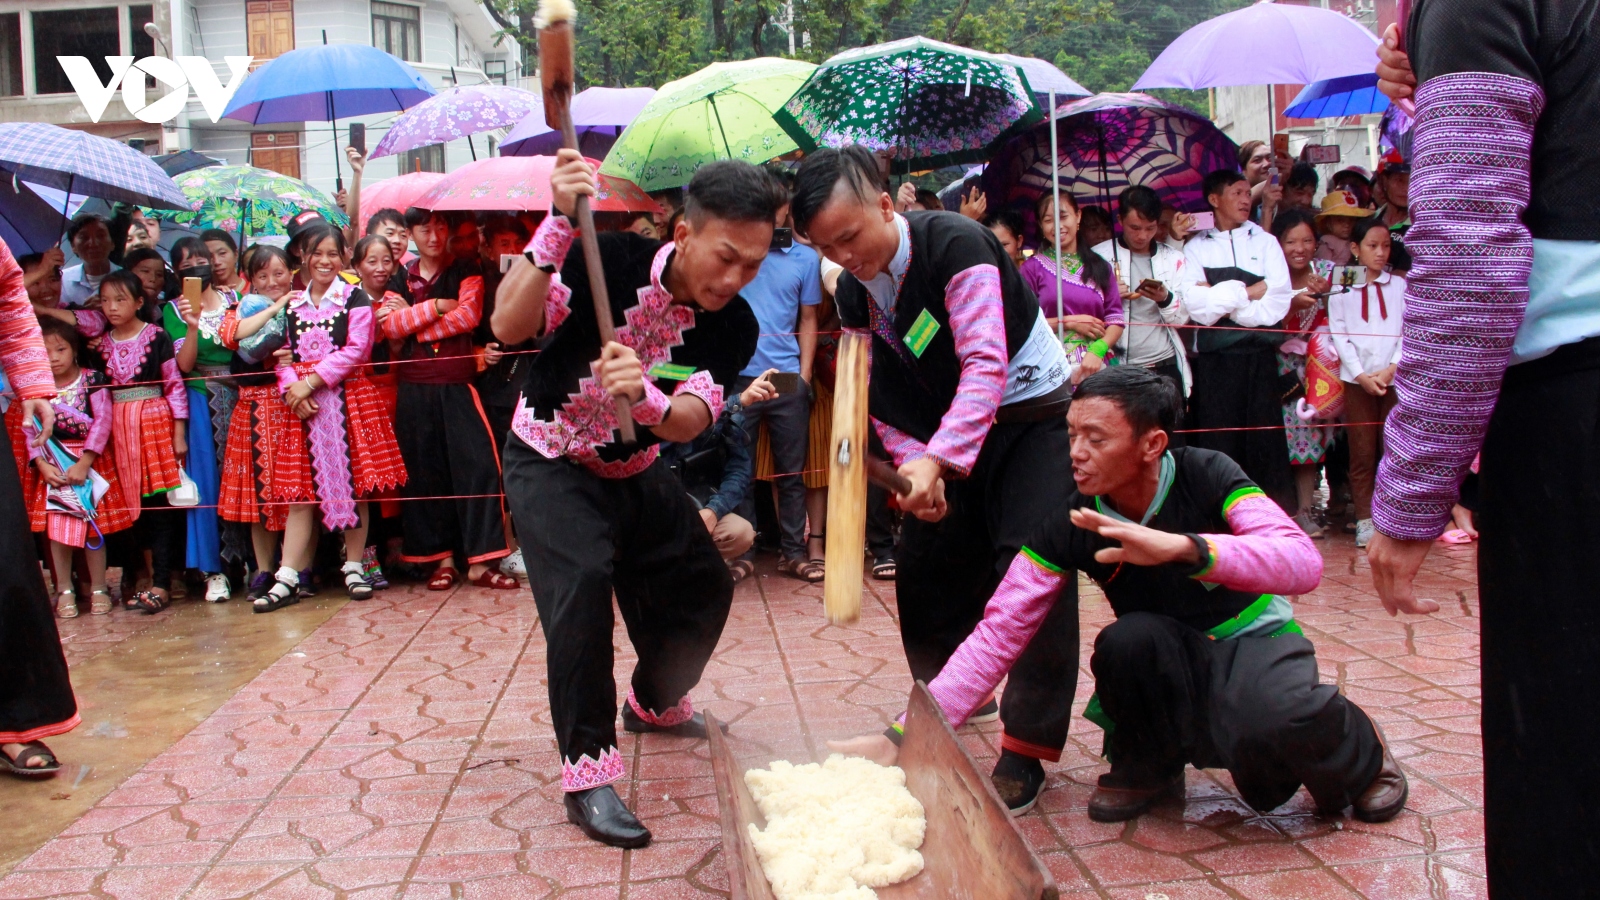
(327, 82)
(85, 164)
(28, 224)
(1352, 95)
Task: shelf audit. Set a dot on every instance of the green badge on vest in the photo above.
(921, 333)
(671, 371)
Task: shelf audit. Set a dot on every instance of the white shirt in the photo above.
(77, 286)
(1251, 249)
(1371, 344)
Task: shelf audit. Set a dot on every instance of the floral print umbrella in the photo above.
(246, 201)
(1106, 143)
(923, 103)
(723, 111)
(458, 113)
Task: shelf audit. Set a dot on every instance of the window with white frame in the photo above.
(397, 29)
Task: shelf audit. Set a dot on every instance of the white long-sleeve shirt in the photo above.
(1249, 248)
(1367, 342)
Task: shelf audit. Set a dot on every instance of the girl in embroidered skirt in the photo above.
(204, 360)
(149, 417)
(1366, 328)
(83, 428)
(375, 262)
(1087, 308)
(248, 455)
(1308, 441)
(336, 449)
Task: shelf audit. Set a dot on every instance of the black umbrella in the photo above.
(175, 164)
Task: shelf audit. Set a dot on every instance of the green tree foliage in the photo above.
(1104, 44)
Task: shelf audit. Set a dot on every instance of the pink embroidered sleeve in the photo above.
(100, 429)
(1009, 622)
(652, 407)
(357, 350)
(977, 323)
(89, 322)
(902, 447)
(1266, 553)
(22, 353)
(172, 386)
(701, 385)
(557, 304)
(551, 241)
(463, 318)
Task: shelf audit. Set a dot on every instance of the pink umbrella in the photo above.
(523, 183)
(396, 193)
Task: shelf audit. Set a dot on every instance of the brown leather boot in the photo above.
(1386, 795)
(1111, 804)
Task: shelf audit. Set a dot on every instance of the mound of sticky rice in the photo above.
(837, 830)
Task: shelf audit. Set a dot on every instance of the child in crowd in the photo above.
(334, 448)
(247, 457)
(149, 418)
(1365, 322)
(454, 505)
(1088, 307)
(376, 264)
(1337, 220)
(83, 428)
(150, 268)
(204, 361)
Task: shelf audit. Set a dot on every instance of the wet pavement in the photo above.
(401, 748)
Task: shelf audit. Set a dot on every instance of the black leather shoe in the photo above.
(1112, 804)
(1386, 795)
(601, 815)
(694, 728)
(1018, 780)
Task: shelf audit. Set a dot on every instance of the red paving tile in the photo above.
(403, 750)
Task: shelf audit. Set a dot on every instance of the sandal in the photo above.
(355, 581)
(31, 751)
(150, 601)
(810, 571)
(494, 578)
(97, 605)
(284, 592)
(67, 604)
(884, 569)
(444, 578)
(741, 569)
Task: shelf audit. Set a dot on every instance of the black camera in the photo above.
(782, 238)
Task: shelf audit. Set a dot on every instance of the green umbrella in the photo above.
(245, 200)
(723, 111)
(924, 103)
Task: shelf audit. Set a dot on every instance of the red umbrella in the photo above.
(523, 183)
(396, 193)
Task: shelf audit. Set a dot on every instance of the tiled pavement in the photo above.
(402, 749)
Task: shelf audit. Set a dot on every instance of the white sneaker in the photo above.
(1364, 532)
(513, 565)
(217, 588)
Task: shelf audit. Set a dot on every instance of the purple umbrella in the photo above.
(28, 224)
(1265, 43)
(598, 113)
(86, 165)
(459, 112)
(1106, 143)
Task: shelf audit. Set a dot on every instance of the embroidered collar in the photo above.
(658, 267)
(337, 294)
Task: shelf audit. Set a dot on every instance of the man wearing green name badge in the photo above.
(1204, 663)
(969, 393)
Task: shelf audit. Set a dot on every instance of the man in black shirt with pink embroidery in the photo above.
(596, 515)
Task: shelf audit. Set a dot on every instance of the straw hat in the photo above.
(1341, 203)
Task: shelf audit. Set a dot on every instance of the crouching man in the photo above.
(1204, 663)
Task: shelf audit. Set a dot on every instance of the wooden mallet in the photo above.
(556, 71)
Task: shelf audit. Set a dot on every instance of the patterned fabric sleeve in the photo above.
(652, 407)
(1009, 622)
(463, 318)
(356, 352)
(228, 329)
(977, 322)
(702, 385)
(172, 386)
(408, 320)
(902, 447)
(550, 242)
(1466, 296)
(22, 353)
(557, 304)
(1111, 312)
(100, 410)
(89, 322)
(1266, 553)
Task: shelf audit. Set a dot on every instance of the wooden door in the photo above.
(269, 28)
(278, 151)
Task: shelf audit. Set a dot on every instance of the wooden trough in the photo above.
(973, 849)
